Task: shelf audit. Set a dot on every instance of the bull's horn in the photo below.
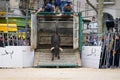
(60, 49)
(52, 48)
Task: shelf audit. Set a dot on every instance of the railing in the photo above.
(56, 13)
(109, 43)
(14, 39)
(92, 39)
(108, 1)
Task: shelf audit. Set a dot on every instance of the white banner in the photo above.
(16, 56)
(91, 56)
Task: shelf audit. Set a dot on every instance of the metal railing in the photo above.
(14, 39)
(110, 54)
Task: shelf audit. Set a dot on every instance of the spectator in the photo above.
(93, 26)
(93, 40)
(20, 41)
(10, 41)
(86, 41)
(63, 3)
(26, 42)
(66, 6)
(100, 41)
(115, 50)
(57, 4)
(46, 7)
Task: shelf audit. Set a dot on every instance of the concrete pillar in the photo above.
(33, 31)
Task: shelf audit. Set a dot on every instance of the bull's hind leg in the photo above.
(52, 57)
(58, 55)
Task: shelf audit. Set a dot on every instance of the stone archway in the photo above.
(106, 17)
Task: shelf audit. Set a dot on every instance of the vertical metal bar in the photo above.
(7, 23)
(27, 2)
(3, 38)
(17, 37)
(12, 39)
(107, 53)
(80, 32)
(118, 25)
(113, 55)
(119, 61)
(21, 39)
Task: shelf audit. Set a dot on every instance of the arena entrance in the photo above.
(68, 28)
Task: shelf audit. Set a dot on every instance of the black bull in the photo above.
(55, 43)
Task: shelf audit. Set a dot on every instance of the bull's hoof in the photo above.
(58, 57)
(52, 59)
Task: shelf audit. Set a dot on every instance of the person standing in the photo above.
(93, 26)
(115, 51)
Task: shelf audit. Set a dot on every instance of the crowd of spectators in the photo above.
(61, 6)
(13, 40)
(110, 47)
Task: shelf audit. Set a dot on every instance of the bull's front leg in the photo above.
(52, 50)
(58, 55)
(60, 49)
(52, 56)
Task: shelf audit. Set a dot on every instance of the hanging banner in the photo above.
(91, 56)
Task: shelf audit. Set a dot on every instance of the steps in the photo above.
(67, 58)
